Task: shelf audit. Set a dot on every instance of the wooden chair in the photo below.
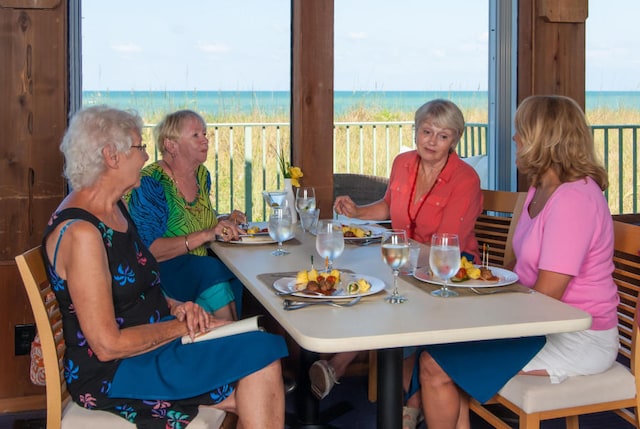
(535, 399)
(495, 227)
(496, 224)
(62, 412)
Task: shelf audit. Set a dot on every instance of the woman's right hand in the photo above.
(345, 206)
(196, 318)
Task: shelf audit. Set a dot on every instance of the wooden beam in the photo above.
(312, 96)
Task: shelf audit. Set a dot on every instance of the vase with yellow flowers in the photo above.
(291, 176)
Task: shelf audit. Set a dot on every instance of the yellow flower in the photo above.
(295, 173)
(289, 171)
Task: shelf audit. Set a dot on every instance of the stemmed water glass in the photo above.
(395, 253)
(280, 227)
(444, 259)
(329, 240)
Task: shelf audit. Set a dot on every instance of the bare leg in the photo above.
(340, 362)
(228, 312)
(440, 396)
(260, 399)
(407, 373)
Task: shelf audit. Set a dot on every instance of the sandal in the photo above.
(411, 417)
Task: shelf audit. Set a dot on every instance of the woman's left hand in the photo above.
(228, 230)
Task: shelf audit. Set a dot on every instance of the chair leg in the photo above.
(529, 421)
(373, 376)
(573, 422)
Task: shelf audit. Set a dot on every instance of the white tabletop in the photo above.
(375, 324)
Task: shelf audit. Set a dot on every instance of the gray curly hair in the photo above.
(90, 131)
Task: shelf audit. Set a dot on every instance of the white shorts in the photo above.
(576, 353)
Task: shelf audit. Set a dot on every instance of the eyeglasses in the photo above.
(140, 147)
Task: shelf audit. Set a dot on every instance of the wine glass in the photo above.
(280, 228)
(395, 253)
(329, 240)
(444, 259)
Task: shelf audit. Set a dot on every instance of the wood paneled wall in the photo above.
(33, 116)
(33, 113)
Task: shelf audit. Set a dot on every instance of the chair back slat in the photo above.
(48, 320)
(496, 224)
(626, 274)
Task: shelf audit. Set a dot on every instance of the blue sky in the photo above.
(244, 45)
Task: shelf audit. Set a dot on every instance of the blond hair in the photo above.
(554, 134)
(171, 125)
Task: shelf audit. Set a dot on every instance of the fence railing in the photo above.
(242, 157)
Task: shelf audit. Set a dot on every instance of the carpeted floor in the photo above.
(362, 415)
(353, 390)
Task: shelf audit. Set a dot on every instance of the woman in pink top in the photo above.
(430, 190)
(564, 248)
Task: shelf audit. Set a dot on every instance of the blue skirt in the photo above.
(186, 277)
(179, 371)
(480, 368)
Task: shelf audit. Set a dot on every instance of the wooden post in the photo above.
(312, 96)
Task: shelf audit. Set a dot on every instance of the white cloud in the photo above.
(126, 48)
(214, 48)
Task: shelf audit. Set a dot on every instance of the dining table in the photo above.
(374, 324)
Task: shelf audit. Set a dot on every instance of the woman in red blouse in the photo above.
(430, 190)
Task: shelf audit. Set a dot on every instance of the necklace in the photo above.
(412, 219)
(189, 205)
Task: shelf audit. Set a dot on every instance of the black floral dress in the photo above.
(161, 388)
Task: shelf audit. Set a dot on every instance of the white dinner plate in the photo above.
(288, 284)
(376, 233)
(259, 238)
(505, 277)
(355, 221)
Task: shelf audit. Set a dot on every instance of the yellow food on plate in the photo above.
(302, 278)
(354, 231)
(359, 286)
(253, 230)
(472, 272)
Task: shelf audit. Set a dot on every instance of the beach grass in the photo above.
(242, 160)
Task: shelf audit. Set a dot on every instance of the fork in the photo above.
(492, 291)
(294, 305)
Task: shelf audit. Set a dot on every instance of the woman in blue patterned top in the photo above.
(176, 220)
(124, 353)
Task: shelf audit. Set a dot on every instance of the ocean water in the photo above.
(157, 103)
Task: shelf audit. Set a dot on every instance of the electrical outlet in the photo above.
(23, 337)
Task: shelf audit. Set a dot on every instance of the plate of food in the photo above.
(357, 233)
(328, 285)
(470, 275)
(256, 233)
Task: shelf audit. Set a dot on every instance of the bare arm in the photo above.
(551, 283)
(378, 210)
(165, 248)
(83, 261)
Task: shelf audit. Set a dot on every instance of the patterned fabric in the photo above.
(137, 299)
(160, 210)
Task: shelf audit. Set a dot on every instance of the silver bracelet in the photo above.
(186, 243)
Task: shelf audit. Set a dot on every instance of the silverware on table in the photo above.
(294, 305)
(484, 291)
